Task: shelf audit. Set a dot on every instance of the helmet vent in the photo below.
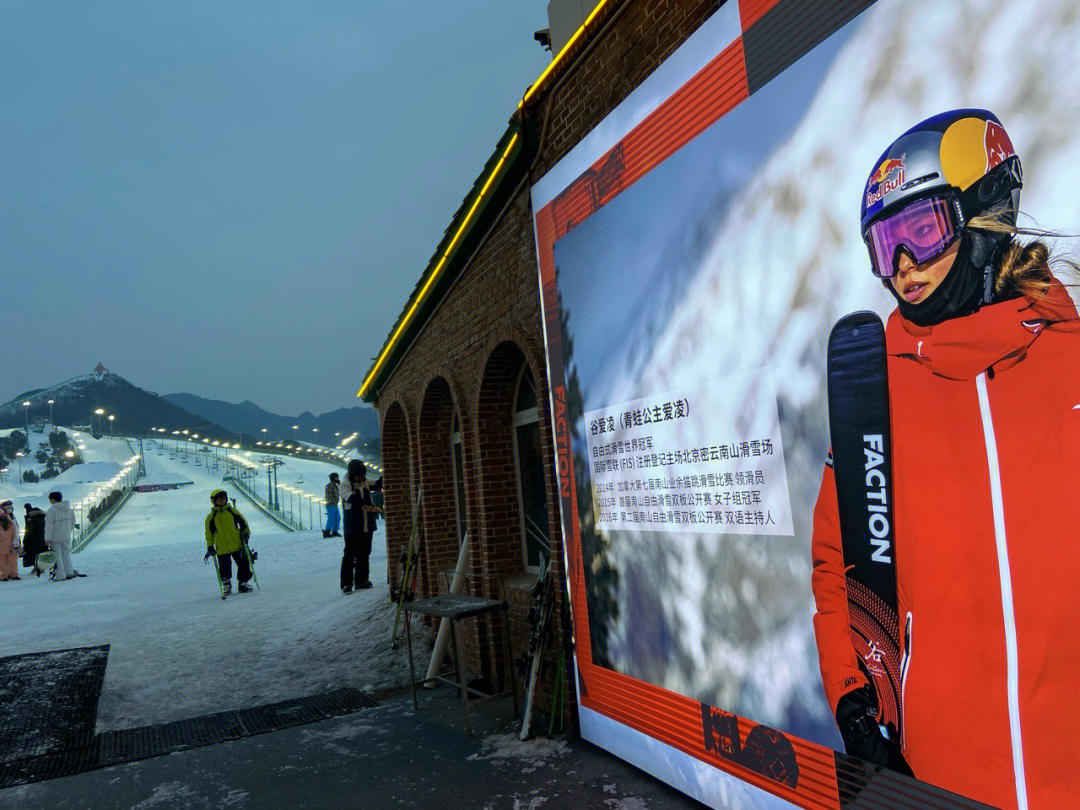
(918, 181)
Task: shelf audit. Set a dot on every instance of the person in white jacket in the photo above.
(59, 523)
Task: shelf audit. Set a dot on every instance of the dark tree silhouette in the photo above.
(601, 577)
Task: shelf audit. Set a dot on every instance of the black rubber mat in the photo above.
(128, 745)
(50, 701)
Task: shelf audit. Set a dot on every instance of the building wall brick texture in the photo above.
(467, 358)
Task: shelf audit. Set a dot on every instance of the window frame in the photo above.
(519, 419)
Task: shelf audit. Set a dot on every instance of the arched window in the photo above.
(458, 465)
(529, 462)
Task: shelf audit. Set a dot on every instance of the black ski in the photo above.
(412, 551)
(862, 462)
(539, 621)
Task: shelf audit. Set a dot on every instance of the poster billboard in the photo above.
(695, 249)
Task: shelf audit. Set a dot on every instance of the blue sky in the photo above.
(235, 199)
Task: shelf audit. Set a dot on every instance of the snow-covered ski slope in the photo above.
(178, 650)
(112, 450)
(307, 475)
(301, 481)
(169, 517)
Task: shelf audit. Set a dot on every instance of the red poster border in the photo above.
(685, 724)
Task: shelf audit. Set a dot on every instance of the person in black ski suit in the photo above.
(361, 517)
(33, 537)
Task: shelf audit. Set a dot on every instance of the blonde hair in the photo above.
(1024, 268)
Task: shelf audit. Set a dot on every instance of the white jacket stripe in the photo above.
(1011, 655)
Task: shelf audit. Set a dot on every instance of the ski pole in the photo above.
(217, 572)
(557, 695)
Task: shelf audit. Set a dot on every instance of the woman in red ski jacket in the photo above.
(984, 394)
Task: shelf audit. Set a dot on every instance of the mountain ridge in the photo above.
(136, 411)
(249, 418)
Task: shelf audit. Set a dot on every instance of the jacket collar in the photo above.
(997, 336)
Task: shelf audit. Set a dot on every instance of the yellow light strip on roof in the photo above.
(536, 85)
(438, 268)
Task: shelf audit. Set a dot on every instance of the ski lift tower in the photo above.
(142, 463)
(272, 463)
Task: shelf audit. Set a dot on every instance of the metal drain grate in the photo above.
(50, 701)
(131, 744)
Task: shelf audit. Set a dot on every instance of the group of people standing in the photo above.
(361, 520)
(227, 531)
(45, 532)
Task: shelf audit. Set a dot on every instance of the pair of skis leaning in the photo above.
(860, 432)
(409, 572)
(539, 620)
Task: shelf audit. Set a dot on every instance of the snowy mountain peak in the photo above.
(105, 402)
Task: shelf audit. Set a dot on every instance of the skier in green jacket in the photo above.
(227, 533)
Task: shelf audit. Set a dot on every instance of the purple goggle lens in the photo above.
(925, 229)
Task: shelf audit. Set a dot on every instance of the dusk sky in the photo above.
(235, 199)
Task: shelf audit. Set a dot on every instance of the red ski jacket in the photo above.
(985, 415)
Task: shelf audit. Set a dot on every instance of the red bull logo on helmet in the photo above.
(882, 180)
(998, 146)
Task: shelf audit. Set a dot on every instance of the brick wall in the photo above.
(440, 518)
(468, 356)
(397, 499)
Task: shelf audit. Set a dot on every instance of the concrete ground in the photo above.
(384, 757)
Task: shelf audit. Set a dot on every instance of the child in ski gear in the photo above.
(33, 536)
(227, 533)
(984, 395)
(361, 520)
(8, 508)
(9, 548)
(59, 524)
(333, 515)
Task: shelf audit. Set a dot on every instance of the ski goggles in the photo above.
(925, 229)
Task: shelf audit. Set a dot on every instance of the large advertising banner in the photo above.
(696, 250)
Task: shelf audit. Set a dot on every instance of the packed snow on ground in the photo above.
(178, 650)
(527, 755)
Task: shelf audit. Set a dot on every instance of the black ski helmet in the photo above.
(966, 159)
(356, 469)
